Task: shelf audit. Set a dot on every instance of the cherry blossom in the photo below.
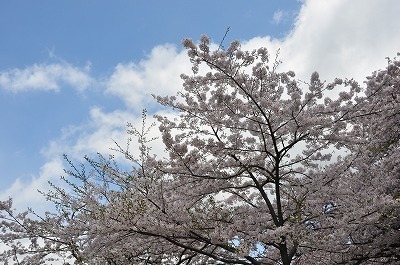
(251, 176)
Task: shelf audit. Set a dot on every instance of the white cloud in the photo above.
(338, 38)
(46, 77)
(158, 74)
(95, 135)
(25, 194)
(103, 130)
(99, 135)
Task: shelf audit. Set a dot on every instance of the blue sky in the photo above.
(73, 73)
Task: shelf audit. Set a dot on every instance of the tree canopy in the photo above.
(260, 168)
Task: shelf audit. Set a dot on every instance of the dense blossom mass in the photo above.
(260, 168)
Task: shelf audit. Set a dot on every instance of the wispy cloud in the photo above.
(278, 16)
(46, 77)
(25, 193)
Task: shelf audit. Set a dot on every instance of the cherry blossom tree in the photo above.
(252, 175)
